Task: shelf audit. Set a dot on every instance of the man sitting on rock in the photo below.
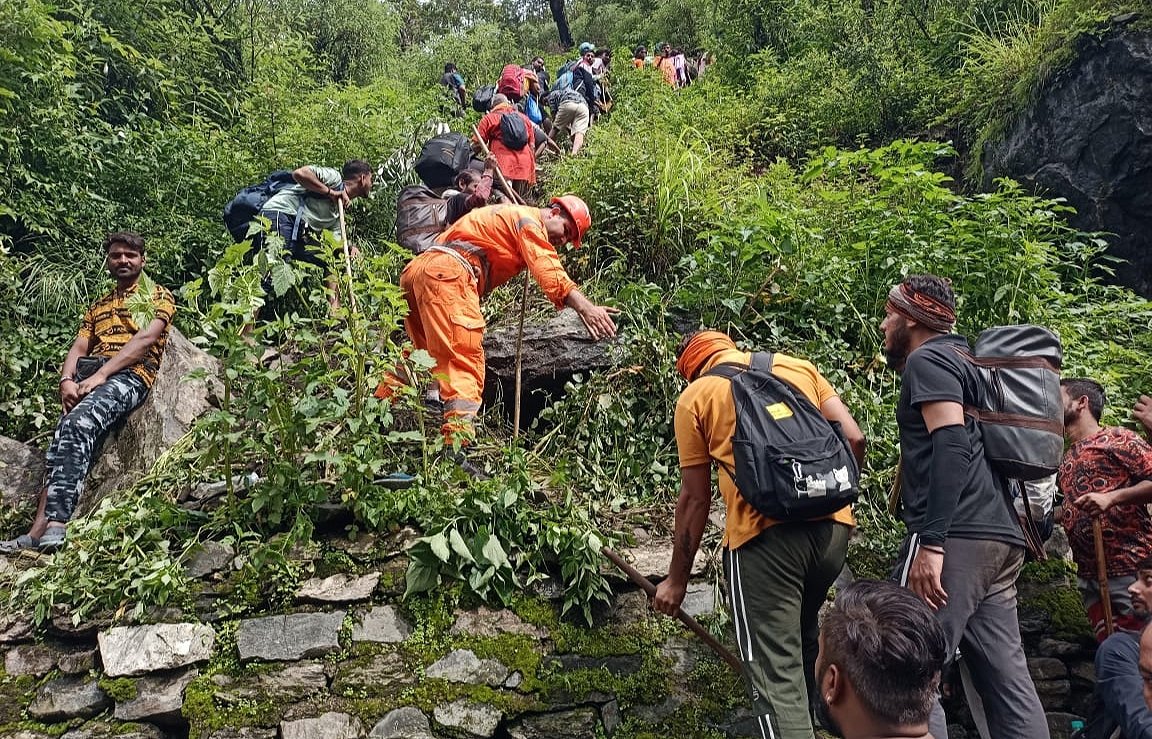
(881, 654)
(1121, 681)
(107, 373)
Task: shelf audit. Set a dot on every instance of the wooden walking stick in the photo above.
(347, 254)
(1102, 575)
(693, 625)
(519, 373)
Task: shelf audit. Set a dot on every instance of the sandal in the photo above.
(24, 541)
(53, 538)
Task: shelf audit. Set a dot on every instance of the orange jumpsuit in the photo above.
(443, 287)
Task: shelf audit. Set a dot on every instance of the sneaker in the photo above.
(53, 538)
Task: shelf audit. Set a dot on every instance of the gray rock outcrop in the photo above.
(463, 666)
(382, 625)
(21, 473)
(559, 346)
(339, 588)
(478, 719)
(1086, 139)
(136, 650)
(159, 698)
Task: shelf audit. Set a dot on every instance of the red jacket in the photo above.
(516, 165)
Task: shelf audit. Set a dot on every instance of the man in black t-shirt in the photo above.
(964, 548)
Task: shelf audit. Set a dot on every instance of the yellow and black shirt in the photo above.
(109, 326)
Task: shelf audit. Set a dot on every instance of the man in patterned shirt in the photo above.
(1106, 472)
(107, 373)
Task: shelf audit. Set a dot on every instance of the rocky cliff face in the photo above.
(1088, 138)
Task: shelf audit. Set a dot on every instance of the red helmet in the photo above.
(577, 210)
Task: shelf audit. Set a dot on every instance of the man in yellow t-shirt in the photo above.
(107, 373)
(778, 574)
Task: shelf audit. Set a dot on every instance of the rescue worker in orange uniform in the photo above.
(475, 255)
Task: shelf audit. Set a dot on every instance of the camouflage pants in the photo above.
(78, 436)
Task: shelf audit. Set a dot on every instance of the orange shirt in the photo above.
(706, 422)
(515, 164)
(667, 68)
(512, 237)
(638, 63)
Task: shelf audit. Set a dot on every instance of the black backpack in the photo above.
(513, 132)
(792, 464)
(240, 211)
(482, 98)
(1021, 414)
(442, 158)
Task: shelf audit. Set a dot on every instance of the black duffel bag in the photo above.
(442, 158)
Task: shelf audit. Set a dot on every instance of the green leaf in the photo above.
(459, 546)
(421, 577)
(494, 553)
(439, 545)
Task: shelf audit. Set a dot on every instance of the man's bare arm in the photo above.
(691, 517)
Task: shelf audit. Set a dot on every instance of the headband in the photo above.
(923, 309)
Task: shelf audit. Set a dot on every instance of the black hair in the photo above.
(466, 177)
(890, 646)
(937, 288)
(1078, 387)
(686, 339)
(1144, 564)
(353, 168)
(449, 67)
(130, 239)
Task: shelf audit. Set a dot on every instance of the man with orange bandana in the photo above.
(474, 256)
(778, 575)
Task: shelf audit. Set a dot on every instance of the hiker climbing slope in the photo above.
(509, 135)
(964, 547)
(779, 569)
(483, 250)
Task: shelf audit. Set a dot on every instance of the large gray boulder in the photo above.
(171, 408)
(22, 473)
(1086, 139)
(560, 346)
(137, 650)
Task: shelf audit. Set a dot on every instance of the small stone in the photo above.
(381, 675)
(657, 713)
(289, 637)
(30, 659)
(630, 608)
(294, 682)
(699, 600)
(490, 622)
(135, 650)
(15, 629)
(382, 625)
(478, 719)
(641, 535)
(574, 724)
(682, 654)
(1056, 648)
(651, 559)
(76, 662)
(610, 716)
(339, 588)
(1085, 671)
(1046, 668)
(361, 546)
(327, 726)
(159, 698)
(68, 698)
(463, 666)
(211, 557)
(247, 732)
(514, 680)
(402, 723)
(108, 730)
(1053, 693)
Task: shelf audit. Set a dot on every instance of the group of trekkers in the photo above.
(787, 451)
(677, 68)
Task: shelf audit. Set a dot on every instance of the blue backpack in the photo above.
(248, 202)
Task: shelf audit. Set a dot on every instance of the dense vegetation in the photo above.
(779, 198)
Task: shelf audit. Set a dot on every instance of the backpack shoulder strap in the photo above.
(727, 370)
(762, 361)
